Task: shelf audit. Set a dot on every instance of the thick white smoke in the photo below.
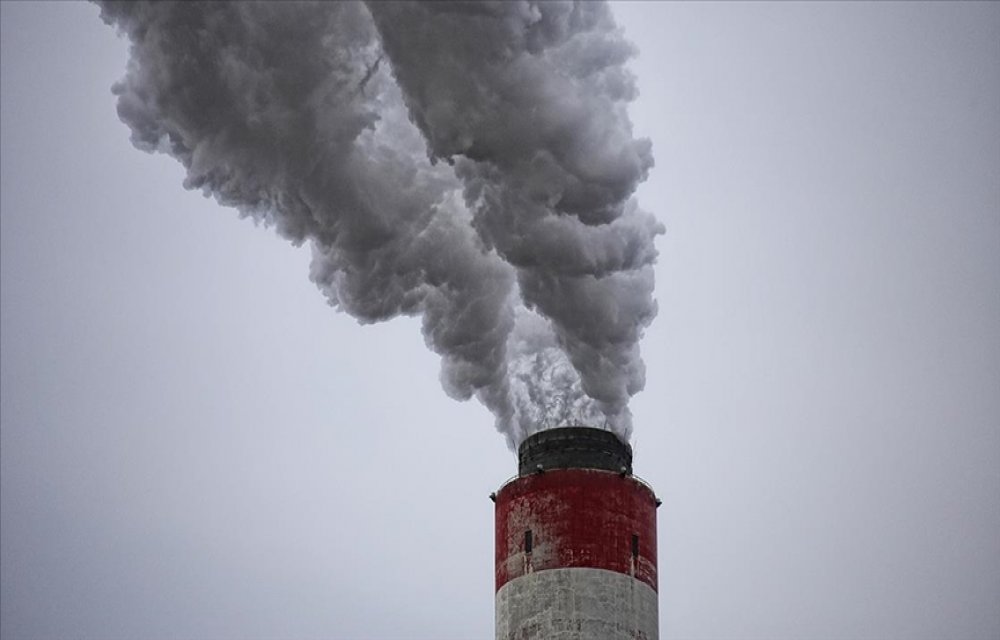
(470, 163)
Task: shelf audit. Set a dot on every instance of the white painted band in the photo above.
(576, 604)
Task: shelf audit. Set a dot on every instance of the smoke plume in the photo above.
(469, 163)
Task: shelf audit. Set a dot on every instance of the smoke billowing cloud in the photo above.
(468, 163)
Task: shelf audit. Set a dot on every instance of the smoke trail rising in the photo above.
(522, 252)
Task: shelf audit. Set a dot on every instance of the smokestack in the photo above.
(576, 542)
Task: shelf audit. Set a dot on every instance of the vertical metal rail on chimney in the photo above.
(576, 542)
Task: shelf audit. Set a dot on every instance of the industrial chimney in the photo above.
(575, 542)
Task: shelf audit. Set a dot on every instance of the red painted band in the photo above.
(577, 518)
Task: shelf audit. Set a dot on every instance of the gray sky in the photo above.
(194, 445)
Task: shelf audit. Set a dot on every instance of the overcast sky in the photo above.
(194, 445)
